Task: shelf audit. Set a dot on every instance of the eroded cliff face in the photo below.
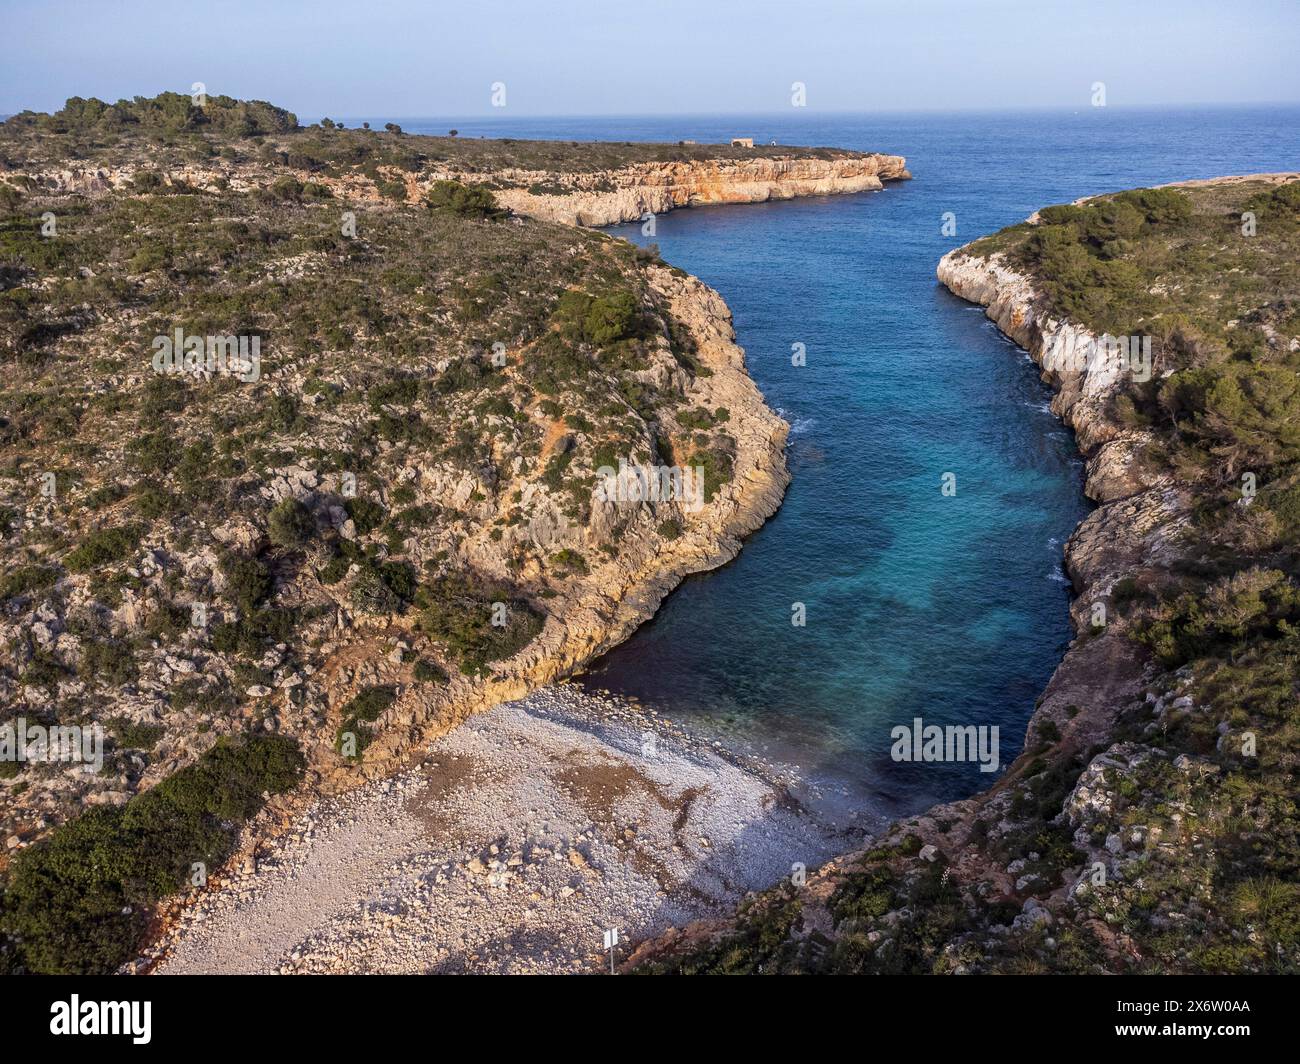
(1138, 519)
(626, 194)
(598, 612)
(1139, 514)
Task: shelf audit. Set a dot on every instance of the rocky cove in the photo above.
(1098, 675)
(280, 855)
(308, 626)
(1053, 868)
(591, 572)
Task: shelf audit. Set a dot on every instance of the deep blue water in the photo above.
(951, 609)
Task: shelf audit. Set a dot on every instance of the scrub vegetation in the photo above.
(186, 553)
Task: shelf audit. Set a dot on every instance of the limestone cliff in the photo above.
(598, 612)
(627, 193)
(1151, 509)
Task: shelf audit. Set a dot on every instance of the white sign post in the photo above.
(611, 940)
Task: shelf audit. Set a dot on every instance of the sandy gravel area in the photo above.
(525, 834)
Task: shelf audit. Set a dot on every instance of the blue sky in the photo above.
(586, 57)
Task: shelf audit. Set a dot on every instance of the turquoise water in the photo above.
(953, 609)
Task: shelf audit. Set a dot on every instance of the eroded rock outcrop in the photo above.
(626, 194)
(600, 611)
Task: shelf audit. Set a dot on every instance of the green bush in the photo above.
(253, 629)
(26, 579)
(136, 736)
(1252, 603)
(335, 569)
(153, 501)
(670, 529)
(77, 903)
(570, 561)
(429, 671)
(110, 662)
(370, 702)
(385, 587)
(366, 515)
(458, 609)
(463, 200)
(248, 580)
(290, 524)
(718, 468)
(102, 547)
(598, 320)
(371, 594)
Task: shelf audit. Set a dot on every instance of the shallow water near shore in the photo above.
(951, 609)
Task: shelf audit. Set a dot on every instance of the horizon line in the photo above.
(786, 113)
(806, 113)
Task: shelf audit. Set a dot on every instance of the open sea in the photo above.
(952, 609)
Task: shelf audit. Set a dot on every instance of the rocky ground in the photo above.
(522, 836)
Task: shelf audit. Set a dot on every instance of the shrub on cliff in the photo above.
(479, 621)
(366, 514)
(599, 320)
(168, 111)
(102, 547)
(290, 524)
(428, 671)
(383, 587)
(26, 579)
(248, 579)
(1278, 207)
(718, 466)
(1251, 604)
(77, 902)
(466, 201)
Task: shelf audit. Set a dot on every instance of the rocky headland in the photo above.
(628, 193)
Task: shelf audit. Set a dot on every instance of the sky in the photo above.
(403, 58)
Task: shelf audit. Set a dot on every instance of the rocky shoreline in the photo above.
(519, 838)
(626, 194)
